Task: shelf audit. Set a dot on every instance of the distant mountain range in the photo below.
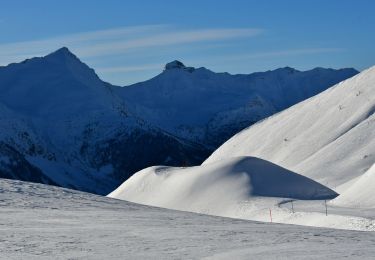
(61, 124)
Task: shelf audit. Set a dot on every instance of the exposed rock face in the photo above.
(174, 65)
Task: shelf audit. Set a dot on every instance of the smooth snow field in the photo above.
(45, 222)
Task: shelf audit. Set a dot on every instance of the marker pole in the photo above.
(271, 215)
(325, 203)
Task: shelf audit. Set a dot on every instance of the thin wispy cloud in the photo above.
(76, 40)
(137, 44)
(167, 39)
(119, 40)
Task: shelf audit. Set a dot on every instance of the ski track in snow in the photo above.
(45, 222)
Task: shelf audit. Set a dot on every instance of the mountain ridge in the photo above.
(69, 127)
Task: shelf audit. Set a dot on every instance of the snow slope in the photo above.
(46, 222)
(208, 108)
(329, 138)
(219, 187)
(243, 187)
(360, 194)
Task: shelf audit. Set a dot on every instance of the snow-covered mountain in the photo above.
(61, 124)
(329, 138)
(208, 108)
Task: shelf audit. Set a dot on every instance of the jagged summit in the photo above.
(176, 64)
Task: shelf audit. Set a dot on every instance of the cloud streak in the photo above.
(120, 40)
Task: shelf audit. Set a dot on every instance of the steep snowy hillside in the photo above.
(61, 124)
(208, 108)
(46, 222)
(361, 193)
(329, 138)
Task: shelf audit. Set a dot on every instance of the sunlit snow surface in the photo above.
(361, 193)
(329, 138)
(246, 188)
(46, 222)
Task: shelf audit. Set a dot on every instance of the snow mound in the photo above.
(217, 188)
(361, 194)
(329, 138)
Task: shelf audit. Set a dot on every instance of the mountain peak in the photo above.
(61, 53)
(176, 64)
(64, 50)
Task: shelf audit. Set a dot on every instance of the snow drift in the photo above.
(329, 138)
(218, 187)
(361, 194)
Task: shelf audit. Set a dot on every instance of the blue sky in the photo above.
(130, 41)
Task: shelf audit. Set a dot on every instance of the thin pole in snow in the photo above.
(271, 215)
(325, 203)
(292, 207)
